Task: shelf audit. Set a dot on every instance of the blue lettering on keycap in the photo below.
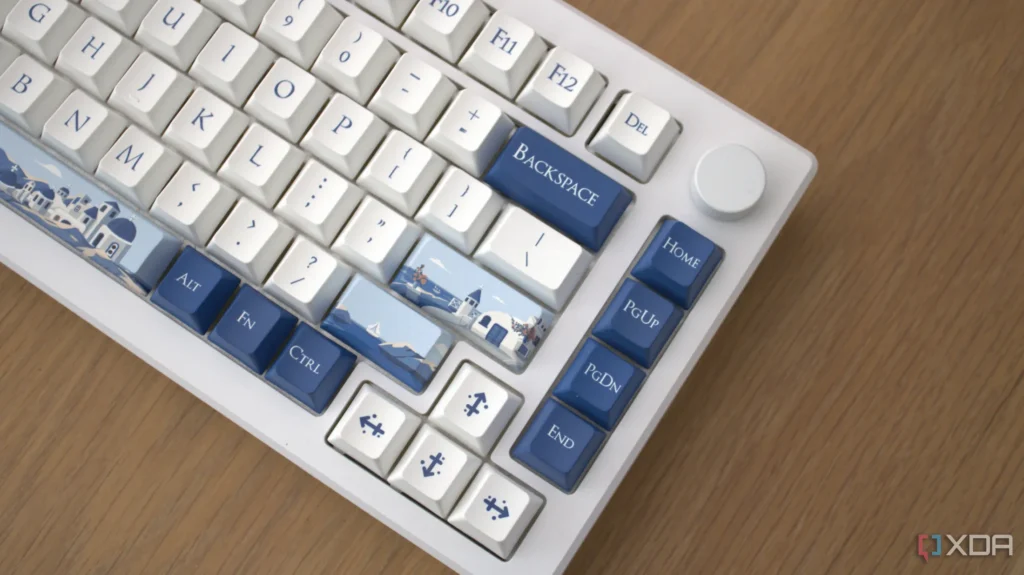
(311, 368)
(599, 384)
(38, 11)
(633, 121)
(504, 42)
(195, 290)
(678, 263)
(559, 188)
(558, 445)
(253, 329)
(638, 322)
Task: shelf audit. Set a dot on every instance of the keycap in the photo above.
(446, 26)
(563, 90)
(8, 53)
(475, 409)
(124, 15)
(252, 329)
(451, 288)
(308, 280)
(355, 60)
(250, 241)
(246, 14)
(385, 331)
(728, 182)
(205, 129)
(31, 94)
(376, 239)
(195, 290)
(471, 133)
(193, 204)
(636, 136)
(678, 263)
(121, 242)
(82, 130)
(558, 445)
(96, 57)
(374, 430)
(176, 30)
(311, 368)
(151, 93)
(504, 54)
(402, 172)
(231, 64)
(345, 136)
(138, 167)
(599, 384)
(319, 202)
(392, 12)
(288, 99)
(413, 96)
(496, 511)
(638, 322)
(42, 28)
(434, 471)
(298, 30)
(460, 210)
(262, 165)
(534, 256)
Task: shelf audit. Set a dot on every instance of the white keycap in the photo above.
(413, 96)
(356, 60)
(504, 54)
(374, 430)
(8, 53)
(288, 99)
(193, 204)
(138, 167)
(471, 133)
(495, 511)
(299, 30)
(434, 471)
(31, 93)
(97, 57)
(376, 240)
(308, 280)
(446, 26)
(562, 90)
(261, 165)
(460, 210)
(124, 15)
(246, 14)
(319, 202)
(205, 129)
(475, 409)
(392, 12)
(151, 93)
(231, 64)
(636, 136)
(250, 241)
(345, 135)
(402, 172)
(42, 28)
(534, 256)
(83, 130)
(176, 30)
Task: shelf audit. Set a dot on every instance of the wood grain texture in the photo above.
(866, 388)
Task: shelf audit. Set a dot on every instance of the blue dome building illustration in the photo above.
(114, 239)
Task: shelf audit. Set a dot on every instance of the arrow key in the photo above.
(495, 511)
(434, 471)
(374, 430)
(475, 409)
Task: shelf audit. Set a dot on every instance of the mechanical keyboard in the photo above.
(454, 258)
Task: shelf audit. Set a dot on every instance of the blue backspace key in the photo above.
(560, 188)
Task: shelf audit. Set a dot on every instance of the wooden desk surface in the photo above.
(866, 388)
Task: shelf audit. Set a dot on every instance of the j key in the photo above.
(460, 210)
(504, 54)
(559, 445)
(83, 130)
(356, 60)
(299, 30)
(252, 329)
(97, 57)
(193, 204)
(563, 90)
(638, 323)
(250, 241)
(495, 511)
(599, 384)
(447, 26)
(195, 290)
(151, 93)
(138, 167)
(678, 263)
(31, 94)
(434, 471)
(176, 30)
(311, 368)
(246, 14)
(231, 64)
(374, 430)
(636, 136)
(560, 188)
(43, 28)
(124, 15)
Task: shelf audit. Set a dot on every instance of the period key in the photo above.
(678, 263)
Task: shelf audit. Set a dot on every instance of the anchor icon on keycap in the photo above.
(480, 399)
(500, 511)
(436, 460)
(366, 422)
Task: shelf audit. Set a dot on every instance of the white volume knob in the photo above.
(728, 182)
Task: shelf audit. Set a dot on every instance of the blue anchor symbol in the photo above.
(474, 407)
(436, 460)
(501, 511)
(366, 422)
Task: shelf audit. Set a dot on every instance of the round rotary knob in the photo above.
(729, 182)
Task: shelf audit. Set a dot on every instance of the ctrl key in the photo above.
(559, 445)
(495, 511)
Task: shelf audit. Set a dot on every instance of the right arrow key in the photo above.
(495, 511)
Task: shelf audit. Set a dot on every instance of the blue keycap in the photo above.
(311, 368)
(253, 329)
(678, 263)
(638, 322)
(599, 384)
(560, 188)
(558, 445)
(195, 290)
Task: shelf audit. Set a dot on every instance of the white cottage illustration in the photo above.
(512, 337)
(114, 239)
